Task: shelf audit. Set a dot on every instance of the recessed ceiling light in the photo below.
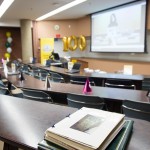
(4, 6)
(60, 9)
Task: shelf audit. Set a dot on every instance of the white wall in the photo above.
(10, 23)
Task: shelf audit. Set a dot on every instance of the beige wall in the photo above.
(112, 66)
(67, 27)
(109, 62)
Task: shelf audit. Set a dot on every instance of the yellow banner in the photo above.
(47, 46)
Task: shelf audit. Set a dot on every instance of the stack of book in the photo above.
(88, 129)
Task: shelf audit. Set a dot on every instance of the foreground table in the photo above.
(23, 123)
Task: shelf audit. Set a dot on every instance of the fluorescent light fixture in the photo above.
(60, 9)
(4, 6)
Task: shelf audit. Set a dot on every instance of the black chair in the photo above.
(79, 101)
(65, 65)
(120, 83)
(36, 95)
(76, 66)
(146, 84)
(40, 74)
(55, 77)
(137, 110)
(56, 56)
(17, 93)
(81, 80)
(6, 88)
(4, 91)
(27, 69)
(48, 62)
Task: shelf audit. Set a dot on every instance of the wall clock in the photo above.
(56, 27)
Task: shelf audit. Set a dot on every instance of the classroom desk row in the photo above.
(99, 78)
(112, 96)
(103, 92)
(23, 123)
(23, 126)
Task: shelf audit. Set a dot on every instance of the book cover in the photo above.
(86, 124)
(118, 143)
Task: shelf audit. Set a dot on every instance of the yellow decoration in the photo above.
(82, 42)
(7, 55)
(65, 43)
(47, 47)
(74, 61)
(8, 34)
(72, 39)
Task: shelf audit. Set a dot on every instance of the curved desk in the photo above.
(112, 96)
(98, 77)
(103, 92)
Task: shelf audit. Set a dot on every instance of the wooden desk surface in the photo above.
(104, 92)
(99, 78)
(23, 123)
(94, 74)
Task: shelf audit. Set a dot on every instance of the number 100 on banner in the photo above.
(72, 43)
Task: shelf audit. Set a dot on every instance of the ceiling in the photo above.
(32, 9)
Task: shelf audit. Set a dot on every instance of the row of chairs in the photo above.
(41, 74)
(132, 109)
(6, 88)
(115, 83)
(129, 108)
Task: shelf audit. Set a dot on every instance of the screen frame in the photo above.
(119, 6)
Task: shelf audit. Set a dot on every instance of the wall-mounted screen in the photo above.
(119, 29)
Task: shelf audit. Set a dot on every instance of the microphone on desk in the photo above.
(47, 82)
(21, 77)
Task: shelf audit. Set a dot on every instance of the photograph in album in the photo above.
(79, 129)
(88, 124)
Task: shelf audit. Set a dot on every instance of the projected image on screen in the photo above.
(121, 29)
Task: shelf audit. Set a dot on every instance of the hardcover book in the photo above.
(118, 143)
(78, 130)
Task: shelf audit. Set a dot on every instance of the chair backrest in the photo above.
(79, 101)
(48, 62)
(36, 95)
(65, 65)
(120, 83)
(55, 77)
(2, 84)
(81, 80)
(56, 56)
(146, 84)
(4, 91)
(76, 66)
(137, 110)
(40, 74)
(26, 69)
